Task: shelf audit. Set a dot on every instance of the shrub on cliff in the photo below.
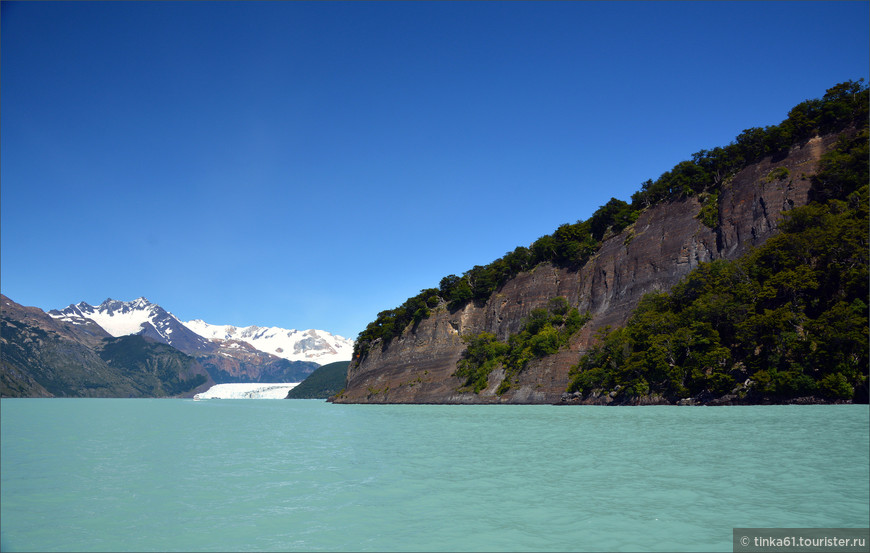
(544, 332)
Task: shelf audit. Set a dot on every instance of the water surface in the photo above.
(227, 475)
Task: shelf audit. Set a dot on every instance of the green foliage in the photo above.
(572, 245)
(614, 215)
(792, 315)
(843, 105)
(393, 322)
(324, 382)
(778, 173)
(842, 169)
(483, 354)
(544, 332)
(709, 214)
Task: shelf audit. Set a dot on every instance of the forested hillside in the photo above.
(739, 276)
(325, 381)
(788, 320)
(572, 245)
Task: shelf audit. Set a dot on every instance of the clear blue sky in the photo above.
(307, 165)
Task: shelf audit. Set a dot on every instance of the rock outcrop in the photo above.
(665, 243)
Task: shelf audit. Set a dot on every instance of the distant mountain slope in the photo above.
(155, 369)
(44, 357)
(139, 316)
(228, 353)
(326, 381)
(238, 362)
(295, 345)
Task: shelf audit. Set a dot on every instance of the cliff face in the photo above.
(660, 248)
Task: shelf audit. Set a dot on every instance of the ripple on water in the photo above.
(305, 475)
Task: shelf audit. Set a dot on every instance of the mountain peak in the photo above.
(319, 346)
(140, 316)
(140, 303)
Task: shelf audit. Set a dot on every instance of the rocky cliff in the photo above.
(660, 248)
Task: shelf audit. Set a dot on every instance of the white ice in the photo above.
(256, 390)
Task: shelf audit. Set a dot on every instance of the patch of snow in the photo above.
(294, 345)
(124, 318)
(120, 324)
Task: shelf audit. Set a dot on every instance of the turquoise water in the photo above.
(270, 475)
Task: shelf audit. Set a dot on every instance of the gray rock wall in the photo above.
(664, 245)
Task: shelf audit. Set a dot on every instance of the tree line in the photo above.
(787, 320)
(572, 245)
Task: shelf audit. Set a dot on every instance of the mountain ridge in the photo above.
(41, 356)
(140, 316)
(291, 344)
(113, 350)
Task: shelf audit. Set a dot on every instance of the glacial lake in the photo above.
(305, 475)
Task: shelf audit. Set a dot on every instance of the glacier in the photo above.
(255, 390)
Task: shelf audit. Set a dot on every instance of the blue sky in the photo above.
(307, 165)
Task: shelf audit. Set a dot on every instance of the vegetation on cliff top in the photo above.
(571, 245)
(790, 316)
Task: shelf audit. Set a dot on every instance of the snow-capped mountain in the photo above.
(140, 316)
(295, 345)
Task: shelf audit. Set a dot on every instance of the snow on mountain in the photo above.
(140, 316)
(116, 318)
(294, 345)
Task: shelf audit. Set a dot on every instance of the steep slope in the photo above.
(139, 316)
(785, 323)
(326, 381)
(155, 369)
(84, 331)
(227, 356)
(236, 361)
(665, 243)
(41, 356)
